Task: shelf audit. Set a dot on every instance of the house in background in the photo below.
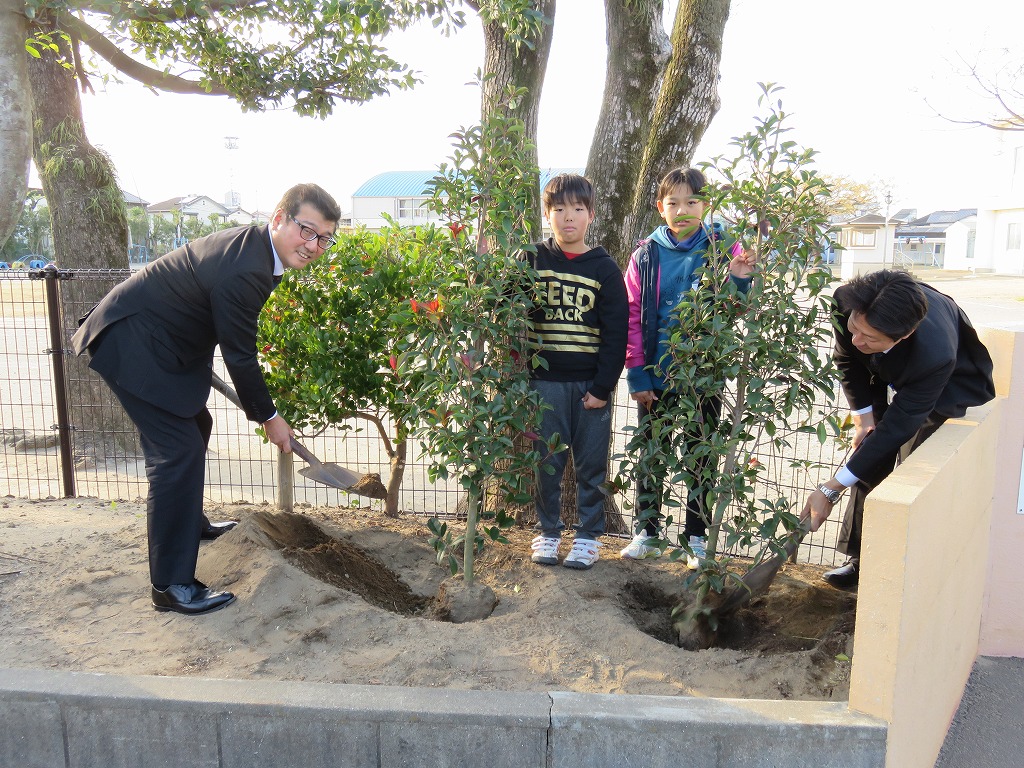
(867, 244)
(940, 239)
(403, 196)
(1000, 240)
(199, 207)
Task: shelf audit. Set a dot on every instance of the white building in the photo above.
(199, 207)
(867, 244)
(403, 196)
(1001, 218)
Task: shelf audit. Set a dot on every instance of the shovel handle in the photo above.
(222, 386)
(306, 456)
(225, 389)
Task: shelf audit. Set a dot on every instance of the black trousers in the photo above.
(853, 519)
(175, 453)
(696, 521)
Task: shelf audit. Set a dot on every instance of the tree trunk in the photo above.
(15, 115)
(508, 64)
(90, 230)
(398, 459)
(660, 96)
(87, 211)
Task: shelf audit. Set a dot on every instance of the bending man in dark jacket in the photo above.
(152, 340)
(903, 337)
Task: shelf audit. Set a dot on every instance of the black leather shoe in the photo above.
(213, 531)
(845, 576)
(190, 598)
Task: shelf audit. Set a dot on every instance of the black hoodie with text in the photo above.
(581, 319)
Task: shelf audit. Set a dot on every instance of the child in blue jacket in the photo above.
(660, 272)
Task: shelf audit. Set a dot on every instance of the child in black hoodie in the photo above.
(579, 327)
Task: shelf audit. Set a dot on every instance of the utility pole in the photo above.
(885, 248)
(233, 199)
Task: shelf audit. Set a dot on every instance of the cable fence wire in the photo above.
(241, 467)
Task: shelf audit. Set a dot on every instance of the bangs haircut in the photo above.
(568, 188)
(311, 194)
(691, 177)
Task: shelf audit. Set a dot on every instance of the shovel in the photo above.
(760, 577)
(317, 471)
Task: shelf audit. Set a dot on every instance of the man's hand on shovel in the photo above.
(279, 432)
(816, 509)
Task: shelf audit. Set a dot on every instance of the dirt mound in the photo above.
(334, 561)
(347, 596)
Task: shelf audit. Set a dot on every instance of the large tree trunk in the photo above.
(508, 64)
(90, 226)
(15, 117)
(660, 96)
(90, 230)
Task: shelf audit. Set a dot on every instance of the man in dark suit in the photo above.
(900, 336)
(152, 340)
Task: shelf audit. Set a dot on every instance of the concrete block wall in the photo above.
(923, 569)
(80, 720)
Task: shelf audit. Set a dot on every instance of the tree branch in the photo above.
(154, 78)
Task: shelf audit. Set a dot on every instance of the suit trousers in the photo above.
(853, 518)
(175, 454)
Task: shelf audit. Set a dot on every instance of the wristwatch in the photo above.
(830, 494)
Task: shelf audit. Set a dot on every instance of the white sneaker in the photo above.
(545, 550)
(640, 548)
(697, 544)
(583, 554)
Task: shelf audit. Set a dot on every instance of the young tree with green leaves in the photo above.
(329, 336)
(763, 353)
(473, 396)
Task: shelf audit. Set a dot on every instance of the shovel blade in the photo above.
(331, 474)
(757, 580)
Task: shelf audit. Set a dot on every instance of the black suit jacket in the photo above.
(941, 368)
(154, 334)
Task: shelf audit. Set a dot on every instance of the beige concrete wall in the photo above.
(923, 572)
(1002, 622)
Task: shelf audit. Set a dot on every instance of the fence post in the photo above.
(50, 276)
(286, 482)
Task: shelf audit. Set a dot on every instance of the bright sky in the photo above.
(856, 83)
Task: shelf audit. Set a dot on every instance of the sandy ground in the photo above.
(346, 596)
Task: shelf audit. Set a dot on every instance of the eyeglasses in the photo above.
(309, 234)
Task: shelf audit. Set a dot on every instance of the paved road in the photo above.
(986, 731)
(989, 300)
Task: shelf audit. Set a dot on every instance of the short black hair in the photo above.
(691, 177)
(314, 195)
(892, 302)
(565, 188)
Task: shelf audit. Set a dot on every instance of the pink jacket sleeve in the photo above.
(634, 339)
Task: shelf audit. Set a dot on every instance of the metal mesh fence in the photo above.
(107, 461)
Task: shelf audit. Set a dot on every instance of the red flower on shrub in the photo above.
(428, 307)
(456, 227)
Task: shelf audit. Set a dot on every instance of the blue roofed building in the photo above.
(403, 196)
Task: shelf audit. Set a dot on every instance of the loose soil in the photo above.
(350, 596)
